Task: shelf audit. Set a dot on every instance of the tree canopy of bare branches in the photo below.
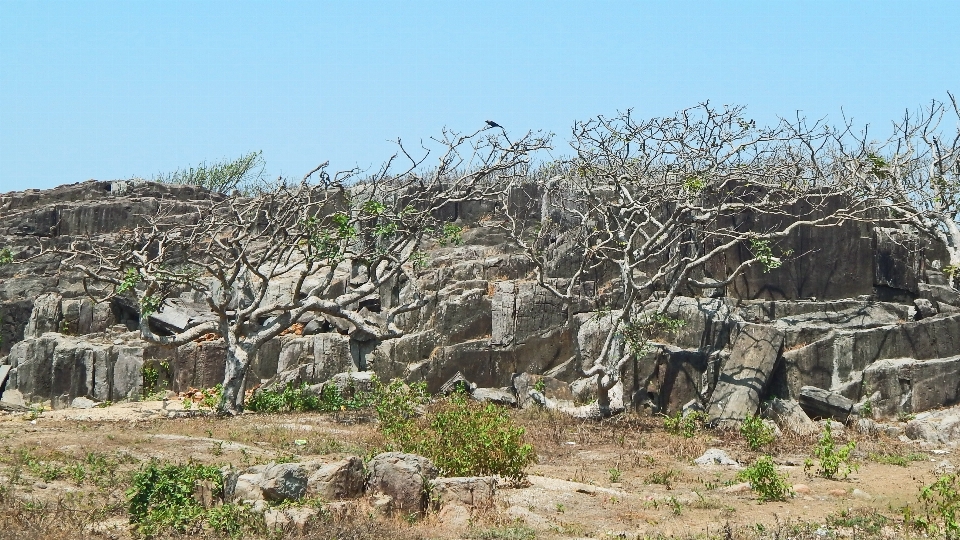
(237, 252)
(653, 203)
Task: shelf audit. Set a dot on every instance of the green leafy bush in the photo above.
(939, 512)
(765, 481)
(834, 460)
(300, 399)
(462, 437)
(245, 173)
(161, 496)
(6, 256)
(756, 432)
(684, 424)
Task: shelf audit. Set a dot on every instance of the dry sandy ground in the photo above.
(592, 480)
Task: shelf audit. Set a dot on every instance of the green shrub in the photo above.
(756, 432)
(834, 460)
(939, 512)
(301, 399)
(684, 424)
(245, 173)
(6, 256)
(765, 481)
(161, 497)
(462, 437)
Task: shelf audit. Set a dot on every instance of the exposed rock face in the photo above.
(863, 313)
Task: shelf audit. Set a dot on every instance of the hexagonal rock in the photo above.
(465, 490)
(402, 478)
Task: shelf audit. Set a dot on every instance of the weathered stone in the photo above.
(46, 316)
(403, 478)
(790, 416)
(820, 403)
(906, 385)
(925, 308)
(498, 396)
(745, 375)
(344, 479)
(475, 491)
(716, 456)
(551, 388)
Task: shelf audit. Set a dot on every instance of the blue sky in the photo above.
(110, 90)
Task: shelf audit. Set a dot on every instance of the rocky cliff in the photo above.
(862, 314)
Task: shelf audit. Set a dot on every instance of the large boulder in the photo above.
(399, 481)
(344, 479)
(746, 374)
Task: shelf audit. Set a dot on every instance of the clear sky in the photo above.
(110, 90)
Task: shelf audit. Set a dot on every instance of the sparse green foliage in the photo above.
(756, 432)
(664, 478)
(901, 460)
(639, 332)
(462, 437)
(686, 425)
(161, 496)
(6, 256)
(130, 279)
(615, 474)
(834, 460)
(866, 410)
(246, 173)
(450, 234)
(765, 481)
(939, 512)
(764, 254)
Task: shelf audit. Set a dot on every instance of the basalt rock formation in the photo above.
(862, 314)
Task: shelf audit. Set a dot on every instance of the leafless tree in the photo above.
(917, 167)
(235, 251)
(654, 203)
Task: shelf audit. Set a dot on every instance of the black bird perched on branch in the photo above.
(493, 124)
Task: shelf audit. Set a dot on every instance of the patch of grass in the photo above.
(901, 460)
(514, 532)
(664, 478)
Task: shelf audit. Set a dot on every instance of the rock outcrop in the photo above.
(863, 314)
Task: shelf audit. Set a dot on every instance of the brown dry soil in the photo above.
(622, 478)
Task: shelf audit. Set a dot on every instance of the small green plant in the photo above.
(664, 478)
(561, 508)
(866, 410)
(36, 411)
(834, 460)
(756, 432)
(765, 481)
(161, 497)
(6, 256)
(77, 472)
(638, 333)
(615, 475)
(46, 471)
(939, 512)
(686, 425)
(764, 254)
(450, 234)
(675, 506)
(540, 386)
